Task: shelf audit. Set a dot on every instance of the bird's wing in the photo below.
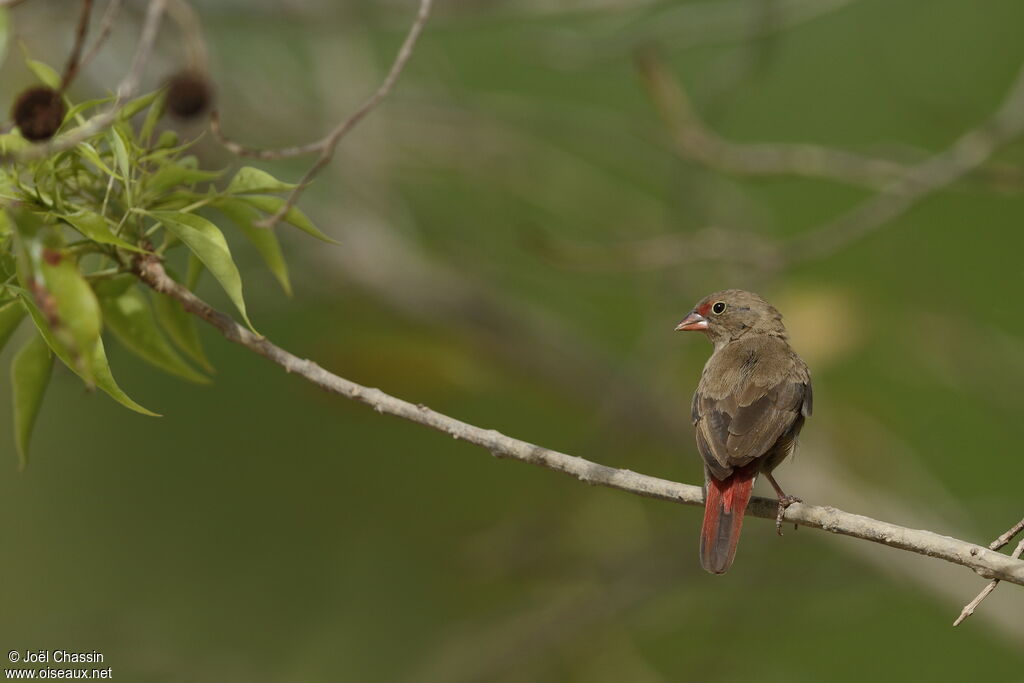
(740, 418)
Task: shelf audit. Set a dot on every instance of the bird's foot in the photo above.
(784, 502)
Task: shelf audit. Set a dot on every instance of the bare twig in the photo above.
(985, 562)
(81, 30)
(1008, 536)
(900, 190)
(991, 586)
(329, 143)
(969, 608)
(657, 252)
(683, 26)
(125, 90)
(196, 53)
(106, 28)
(695, 141)
(967, 153)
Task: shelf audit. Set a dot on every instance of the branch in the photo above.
(988, 563)
(1008, 536)
(196, 53)
(106, 27)
(695, 141)
(71, 69)
(901, 186)
(329, 143)
(968, 610)
(967, 153)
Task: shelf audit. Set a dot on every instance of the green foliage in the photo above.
(30, 374)
(74, 226)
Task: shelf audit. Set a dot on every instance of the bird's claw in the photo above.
(784, 502)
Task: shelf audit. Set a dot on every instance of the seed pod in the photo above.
(188, 94)
(38, 113)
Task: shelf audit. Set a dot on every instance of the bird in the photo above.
(750, 405)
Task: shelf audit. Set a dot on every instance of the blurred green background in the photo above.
(264, 531)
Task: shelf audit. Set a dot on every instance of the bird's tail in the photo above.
(724, 504)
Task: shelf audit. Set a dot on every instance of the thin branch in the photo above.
(658, 252)
(329, 143)
(81, 30)
(1008, 536)
(125, 90)
(196, 53)
(695, 141)
(969, 608)
(967, 153)
(106, 28)
(985, 562)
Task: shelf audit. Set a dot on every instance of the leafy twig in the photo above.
(125, 90)
(329, 143)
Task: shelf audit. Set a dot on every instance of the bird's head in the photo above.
(733, 313)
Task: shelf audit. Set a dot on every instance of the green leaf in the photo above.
(90, 153)
(44, 72)
(251, 180)
(95, 227)
(114, 286)
(153, 116)
(117, 144)
(8, 263)
(30, 375)
(180, 327)
(194, 271)
(265, 241)
(11, 314)
(137, 105)
(130, 318)
(207, 242)
(294, 216)
(51, 277)
(11, 143)
(98, 364)
(172, 174)
(80, 108)
(168, 140)
(74, 304)
(105, 381)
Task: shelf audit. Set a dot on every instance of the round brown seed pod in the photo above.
(38, 113)
(188, 94)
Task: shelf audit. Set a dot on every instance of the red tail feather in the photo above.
(724, 505)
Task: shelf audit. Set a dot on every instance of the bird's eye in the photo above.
(718, 308)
